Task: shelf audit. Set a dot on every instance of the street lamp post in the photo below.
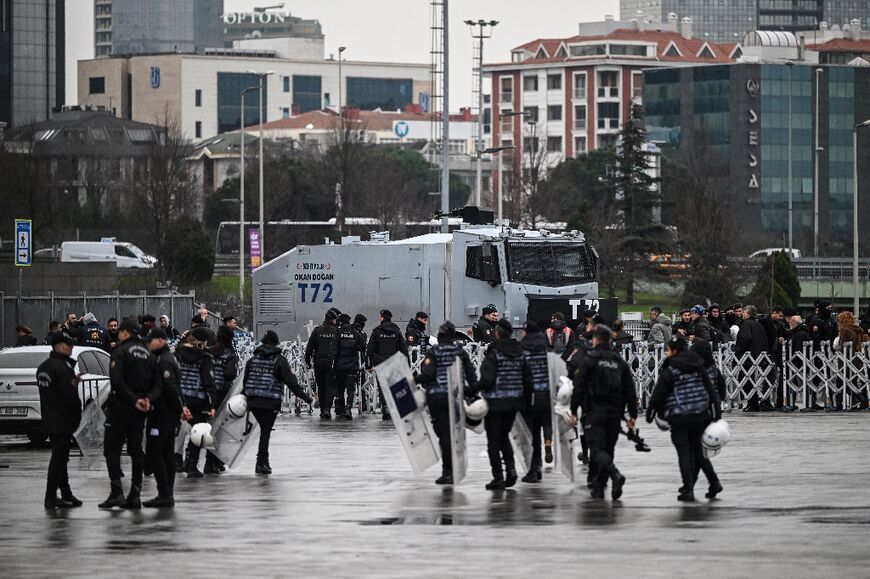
(816, 152)
(790, 194)
(341, 49)
(261, 88)
(855, 298)
(242, 197)
(480, 36)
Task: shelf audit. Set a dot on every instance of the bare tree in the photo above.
(533, 203)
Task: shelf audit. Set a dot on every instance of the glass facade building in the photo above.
(307, 92)
(384, 93)
(229, 100)
(743, 114)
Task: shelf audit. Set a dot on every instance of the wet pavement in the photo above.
(343, 502)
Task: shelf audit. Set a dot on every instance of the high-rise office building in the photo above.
(157, 26)
(790, 15)
(31, 59)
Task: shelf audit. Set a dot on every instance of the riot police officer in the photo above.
(505, 379)
(416, 334)
(134, 384)
(604, 388)
(163, 421)
(483, 330)
(433, 377)
(386, 340)
(226, 367)
(322, 347)
(266, 374)
(197, 389)
(351, 349)
(538, 414)
(61, 412)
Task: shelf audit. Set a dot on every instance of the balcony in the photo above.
(608, 92)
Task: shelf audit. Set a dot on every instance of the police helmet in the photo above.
(716, 436)
(477, 409)
(200, 435)
(237, 405)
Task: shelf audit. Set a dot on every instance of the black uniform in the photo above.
(574, 358)
(351, 350)
(483, 331)
(417, 336)
(433, 377)
(61, 412)
(133, 376)
(226, 368)
(386, 340)
(687, 399)
(322, 347)
(538, 414)
(196, 379)
(604, 388)
(266, 374)
(95, 336)
(163, 424)
(506, 380)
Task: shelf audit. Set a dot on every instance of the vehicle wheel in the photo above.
(37, 438)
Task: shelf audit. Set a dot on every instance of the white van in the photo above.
(125, 255)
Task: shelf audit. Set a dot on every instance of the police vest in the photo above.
(558, 340)
(445, 356)
(689, 396)
(537, 362)
(509, 377)
(191, 381)
(261, 381)
(220, 363)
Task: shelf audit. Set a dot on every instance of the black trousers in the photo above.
(345, 389)
(160, 451)
(125, 426)
(498, 424)
(686, 437)
(602, 432)
(440, 413)
(323, 376)
(266, 419)
(540, 420)
(58, 476)
(199, 413)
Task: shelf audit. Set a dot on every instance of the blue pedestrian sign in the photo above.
(23, 243)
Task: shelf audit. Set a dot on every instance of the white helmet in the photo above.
(237, 405)
(200, 435)
(716, 436)
(477, 410)
(566, 389)
(662, 423)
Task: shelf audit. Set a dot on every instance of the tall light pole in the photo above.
(816, 151)
(856, 299)
(242, 198)
(445, 118)
(480, 36)
(261, 87)
(790, 194)
(341, 49)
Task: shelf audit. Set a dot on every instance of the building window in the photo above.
(588, 50)
(327, 99)
(530, 114)
(554, 113)
(230, 86)
(580, 86)
(285, 112)
(198, 98)
(507, 90)
(385, 93)
(198, 129)
(579, 145)
(637, 85)
(286, 81)
(580, 117)
(608, 84)
(530, 83)
(554, 82)
(554, 144)
(306, 93)
(97, 85)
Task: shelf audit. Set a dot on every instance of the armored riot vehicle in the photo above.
(525, 274)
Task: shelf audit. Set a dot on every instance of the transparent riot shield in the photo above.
(563, 434)
(456, 397)
(521, 439)
(409, 417)
(232, 435)
(91, 431)
(181, 437)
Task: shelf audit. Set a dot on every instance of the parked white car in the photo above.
(20, 412)
(123, 254)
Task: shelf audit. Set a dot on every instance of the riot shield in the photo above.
(91, 433)
(232, 435)
(563, 433)
(456, 397)
(409, 417)
(521, 439)
(181, 437)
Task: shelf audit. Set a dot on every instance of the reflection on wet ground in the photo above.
(339, 489)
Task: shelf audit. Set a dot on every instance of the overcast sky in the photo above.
(394, 30)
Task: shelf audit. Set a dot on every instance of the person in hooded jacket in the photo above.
(604, 388)
(433, 378)
(171, 333)
(538, 413)
(685, 397)
(703, 349)
(559, 335)
(822, 325)
(621, 338)
(721, 330)
(416, 334)
(92, 333)
(197, 388)
(702, 327)
(226, 368)
(660, 327)
(162, 425)
(266, 375)
(321, 348)
(386, 340)
(351, 350)
(506, 381)
(61, 412)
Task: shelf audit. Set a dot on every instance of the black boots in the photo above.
(133, 499)
(715, 489)
(56, 503)
(510, 478)
(180, 465)
(686, 495)
(548, 451)
(444, 479)
(618, 480)
(495, 484)
(116, 497)
(262, 466)
(533, 476)
(67, 495)
(159, 501)
(192, 463)
(213, 464)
